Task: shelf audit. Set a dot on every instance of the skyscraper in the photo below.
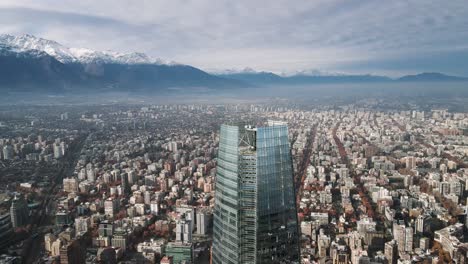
(255, 217)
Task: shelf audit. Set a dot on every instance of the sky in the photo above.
(283, 36)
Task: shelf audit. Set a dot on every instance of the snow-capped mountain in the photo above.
(27, 43)
(32, 64)
(65, 54)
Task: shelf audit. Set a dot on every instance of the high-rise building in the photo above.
(72, 253)
(120, 239)
(255, 217)
(6, 229)
(131, 177)
(184, 230)
(91, 175)
(339, 254)
(70, 185)
(106, 229)
(404, 237)
(154, 207)
(18, 212)
(204, 215)
(8, 152)
(424, 243)
(55, 247)
(391, 252)
(49, 239)
(64, 116)
(409, 239)
(420, 221)
(82, 224)
(58, 153)
(110, 207)
(62, 218)
(82, 175)
(189, 212)
(410, 162)
(365, 225)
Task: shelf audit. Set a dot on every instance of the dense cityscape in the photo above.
(144, 184)
(233, 132)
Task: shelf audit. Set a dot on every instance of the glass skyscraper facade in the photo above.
(255, 217)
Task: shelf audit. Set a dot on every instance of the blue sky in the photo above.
(365, 36)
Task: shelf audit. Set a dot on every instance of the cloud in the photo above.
(78, 30)
(275, 35)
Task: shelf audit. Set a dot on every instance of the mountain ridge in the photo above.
(75, 55)
(431, 76)
(268, 78)
(29, 63)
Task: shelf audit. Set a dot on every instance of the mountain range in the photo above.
(29, 63)
(268, 78)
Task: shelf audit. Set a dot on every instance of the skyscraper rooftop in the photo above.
(255, 217)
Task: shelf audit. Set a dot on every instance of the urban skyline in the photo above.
(372, 183)
(226, 132)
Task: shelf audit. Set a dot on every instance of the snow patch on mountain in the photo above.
(27, 43)
(314, 72)
(246, 70)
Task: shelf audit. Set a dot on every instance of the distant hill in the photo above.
(304, 79)
(256, 78)
(430, 76)
(268, 78)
